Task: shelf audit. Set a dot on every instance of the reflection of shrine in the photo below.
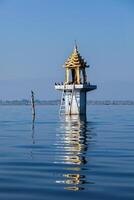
(75, 146)
(76, 139)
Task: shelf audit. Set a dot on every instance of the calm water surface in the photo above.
(67, 158)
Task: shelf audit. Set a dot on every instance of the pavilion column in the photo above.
(78, 76)
(84, 76)
(67, 75)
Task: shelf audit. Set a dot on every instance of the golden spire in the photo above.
(75, 46)
(76, 60)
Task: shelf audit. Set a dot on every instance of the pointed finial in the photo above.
(75, 46)
(32, 92)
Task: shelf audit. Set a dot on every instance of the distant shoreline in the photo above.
(57, 102)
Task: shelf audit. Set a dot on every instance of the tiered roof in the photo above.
(76, 60)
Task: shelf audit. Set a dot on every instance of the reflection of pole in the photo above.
(33, 138)
(33, 104)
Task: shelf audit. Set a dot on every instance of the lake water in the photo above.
(67, 158)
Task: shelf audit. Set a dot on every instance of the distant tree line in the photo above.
(110, 102)
(57, 102)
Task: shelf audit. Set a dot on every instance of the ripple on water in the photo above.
(68, 158)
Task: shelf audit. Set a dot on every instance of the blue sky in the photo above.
(36, 37)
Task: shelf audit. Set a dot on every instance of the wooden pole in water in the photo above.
(33, 114)
(33, 105)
